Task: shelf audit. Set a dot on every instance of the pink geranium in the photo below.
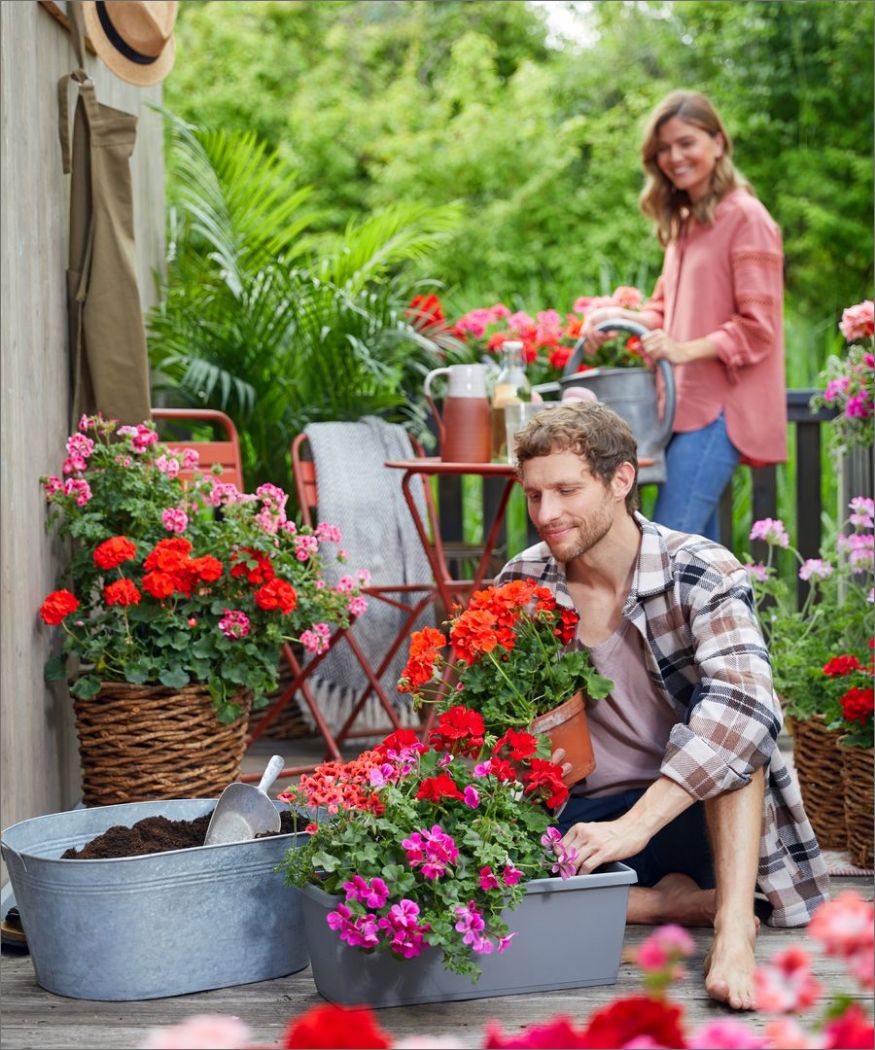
(857, 321)
(199, 1031)
(786, 984)
(771, 530)
(727, 1034)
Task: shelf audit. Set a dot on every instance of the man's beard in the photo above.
(587, 534)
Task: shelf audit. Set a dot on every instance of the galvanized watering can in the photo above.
(632, 394)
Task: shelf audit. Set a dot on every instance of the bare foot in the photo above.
(730, 964)
(675, 898)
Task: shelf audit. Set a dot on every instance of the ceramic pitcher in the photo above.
(464, 426)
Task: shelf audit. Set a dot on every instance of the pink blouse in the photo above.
(725, 283)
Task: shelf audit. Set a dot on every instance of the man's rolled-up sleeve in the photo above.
(734, 717)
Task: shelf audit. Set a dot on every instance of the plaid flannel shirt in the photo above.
(692, 602)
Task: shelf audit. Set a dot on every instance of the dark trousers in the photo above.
(681, 846)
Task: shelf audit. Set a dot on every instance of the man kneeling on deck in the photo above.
(690, 789)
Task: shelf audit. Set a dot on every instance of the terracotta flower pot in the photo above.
(568, 728)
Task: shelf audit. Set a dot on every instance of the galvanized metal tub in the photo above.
(569, 935)
(153, 926)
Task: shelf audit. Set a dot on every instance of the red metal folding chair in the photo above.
(225, 452)
(410, 598)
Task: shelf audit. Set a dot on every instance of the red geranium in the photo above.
(335, 1027)
(440, 787)
(169, 555)
(57, 606)
(256, 567)
(112, 552)
(277, 594)
(546, 779)
(122, 592)
(473, 634)
(858, 704)
(206, 568)
(426, 311)
(627, 1019)
(841, 665)
(459, 731)
(520, 745)
(159, 584)
(851, 1031)
(555, 1035)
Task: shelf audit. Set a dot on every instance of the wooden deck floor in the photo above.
(33, 1018)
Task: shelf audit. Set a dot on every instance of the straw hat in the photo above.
(134, 38)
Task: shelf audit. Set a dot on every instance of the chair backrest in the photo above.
(224, 452)
(307, 487)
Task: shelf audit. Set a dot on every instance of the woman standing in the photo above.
(716, 312)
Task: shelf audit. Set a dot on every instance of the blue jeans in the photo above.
(682, 845)
(699, 465)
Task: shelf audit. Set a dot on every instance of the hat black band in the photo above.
(117, 42)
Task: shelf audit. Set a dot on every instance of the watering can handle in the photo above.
(623, 324)
(438, 418)
(618, 324)
(271, 771)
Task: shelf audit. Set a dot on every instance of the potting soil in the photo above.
(154, 835)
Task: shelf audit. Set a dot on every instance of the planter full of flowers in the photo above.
(438, 874)
(822, 667)
(173, 606)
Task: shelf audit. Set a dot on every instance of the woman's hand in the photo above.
(604, 841)
(594, 338)
(658, 345)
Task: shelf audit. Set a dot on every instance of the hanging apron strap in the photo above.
(86, 92)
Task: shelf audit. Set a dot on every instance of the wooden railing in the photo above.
(806, 436)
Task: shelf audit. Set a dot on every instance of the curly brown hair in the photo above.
(590, 430)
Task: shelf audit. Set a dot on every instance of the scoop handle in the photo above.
(271, 771)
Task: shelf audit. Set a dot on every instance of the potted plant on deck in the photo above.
(434, 876)
(509, 651)
(809, 643)
(174, 605)
(443, 852)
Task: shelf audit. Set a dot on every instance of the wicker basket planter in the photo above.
(857, 774)
(142, 742)
(819, 767)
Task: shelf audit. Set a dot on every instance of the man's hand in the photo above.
(557, 759)
(601, 842)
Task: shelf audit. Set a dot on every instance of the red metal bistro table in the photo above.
(450, 590)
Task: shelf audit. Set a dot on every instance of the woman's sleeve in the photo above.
(652, 313)
(753, 331)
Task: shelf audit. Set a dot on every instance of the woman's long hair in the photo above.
(660, 200)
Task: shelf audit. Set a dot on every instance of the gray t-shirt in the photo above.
(630, 727)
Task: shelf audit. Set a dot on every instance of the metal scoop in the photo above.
(244, 811)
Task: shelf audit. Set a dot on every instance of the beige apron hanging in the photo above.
(107, 336)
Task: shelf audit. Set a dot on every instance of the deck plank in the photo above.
(32, 1017)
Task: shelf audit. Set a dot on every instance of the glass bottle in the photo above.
(511, 387)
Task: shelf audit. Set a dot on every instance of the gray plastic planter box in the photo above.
(570, 935)
(146, 927)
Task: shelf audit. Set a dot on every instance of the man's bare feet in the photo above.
(730, 964)
(675, 898)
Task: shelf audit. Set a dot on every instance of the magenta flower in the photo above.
(357, 605)
(234, 624)
(373, 894)
(511, 875)
(488, 881)
(471, 796)
(433, 850)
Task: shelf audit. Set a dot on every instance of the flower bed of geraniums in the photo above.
(509, 652)
(548, 340)
(432, 851)
(788, 993)
(174, 605)
(814, 648)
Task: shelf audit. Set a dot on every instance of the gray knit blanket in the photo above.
(363, 498)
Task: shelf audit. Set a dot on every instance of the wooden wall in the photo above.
(38, 755)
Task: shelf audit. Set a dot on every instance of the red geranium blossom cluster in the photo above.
(858, 699)
(511, 650)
